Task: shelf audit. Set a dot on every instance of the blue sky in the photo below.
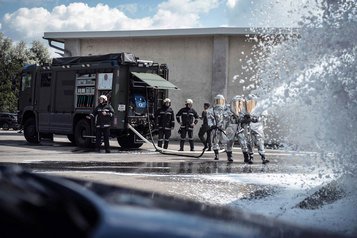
(27, 20)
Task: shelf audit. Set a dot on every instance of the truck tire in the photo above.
(5, 126)
(127, 142)
(82, 129)
(30, 131)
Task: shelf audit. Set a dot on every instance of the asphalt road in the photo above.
(145, 169)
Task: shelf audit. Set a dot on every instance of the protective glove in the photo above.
(214, 127)
(254, 119)
(247, 118)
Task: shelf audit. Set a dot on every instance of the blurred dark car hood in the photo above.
(37, 205)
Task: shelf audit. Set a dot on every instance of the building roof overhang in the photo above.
(63, 36)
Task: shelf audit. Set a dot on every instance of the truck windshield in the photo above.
(26, 81)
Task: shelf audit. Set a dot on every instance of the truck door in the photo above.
(63, 102)
(43, 100)
(26, 88)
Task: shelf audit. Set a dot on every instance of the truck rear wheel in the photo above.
(127, 141)
(30, 131)
(81, 130)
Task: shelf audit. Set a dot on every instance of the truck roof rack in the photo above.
(119, 58)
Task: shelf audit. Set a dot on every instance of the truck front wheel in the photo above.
(82, 130)
(5, 126)
(30, 131)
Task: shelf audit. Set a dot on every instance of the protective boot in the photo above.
(229, 156)
(159, 143)
(216, 155)
(247, 158)
(205, 145)
(264, 160)
(192, 147)
(251, 157)
(166, 144)
(182, 143)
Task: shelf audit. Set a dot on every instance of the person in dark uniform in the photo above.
(165, 122)
(205, 128)
(104, 113)
(187, 117)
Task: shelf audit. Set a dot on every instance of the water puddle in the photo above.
(158, 168)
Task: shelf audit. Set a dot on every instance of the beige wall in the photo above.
(239, 51)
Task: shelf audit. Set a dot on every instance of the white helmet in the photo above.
(219, 100)
(237, 105)
(166, 102)
(189, 101)
(103, 97)
(251, 102)
(252, 96)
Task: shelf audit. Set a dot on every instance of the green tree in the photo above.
(12, 58)
(38, 53)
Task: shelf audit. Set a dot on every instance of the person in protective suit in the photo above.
(255, 128)
(205, 129)
(187, 117)
(104, 113)
(217, 118)
(235, 127)
(165, 122)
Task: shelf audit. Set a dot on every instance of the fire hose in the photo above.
(166, 151)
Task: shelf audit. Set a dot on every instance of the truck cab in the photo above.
(56, 98)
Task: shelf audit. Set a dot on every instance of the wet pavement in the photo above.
(146, 169)
(61, 155)
(157, 168)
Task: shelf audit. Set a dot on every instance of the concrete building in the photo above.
(202, 62)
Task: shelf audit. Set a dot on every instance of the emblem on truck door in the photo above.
(121, 107)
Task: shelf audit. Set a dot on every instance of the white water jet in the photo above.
(309, 80)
